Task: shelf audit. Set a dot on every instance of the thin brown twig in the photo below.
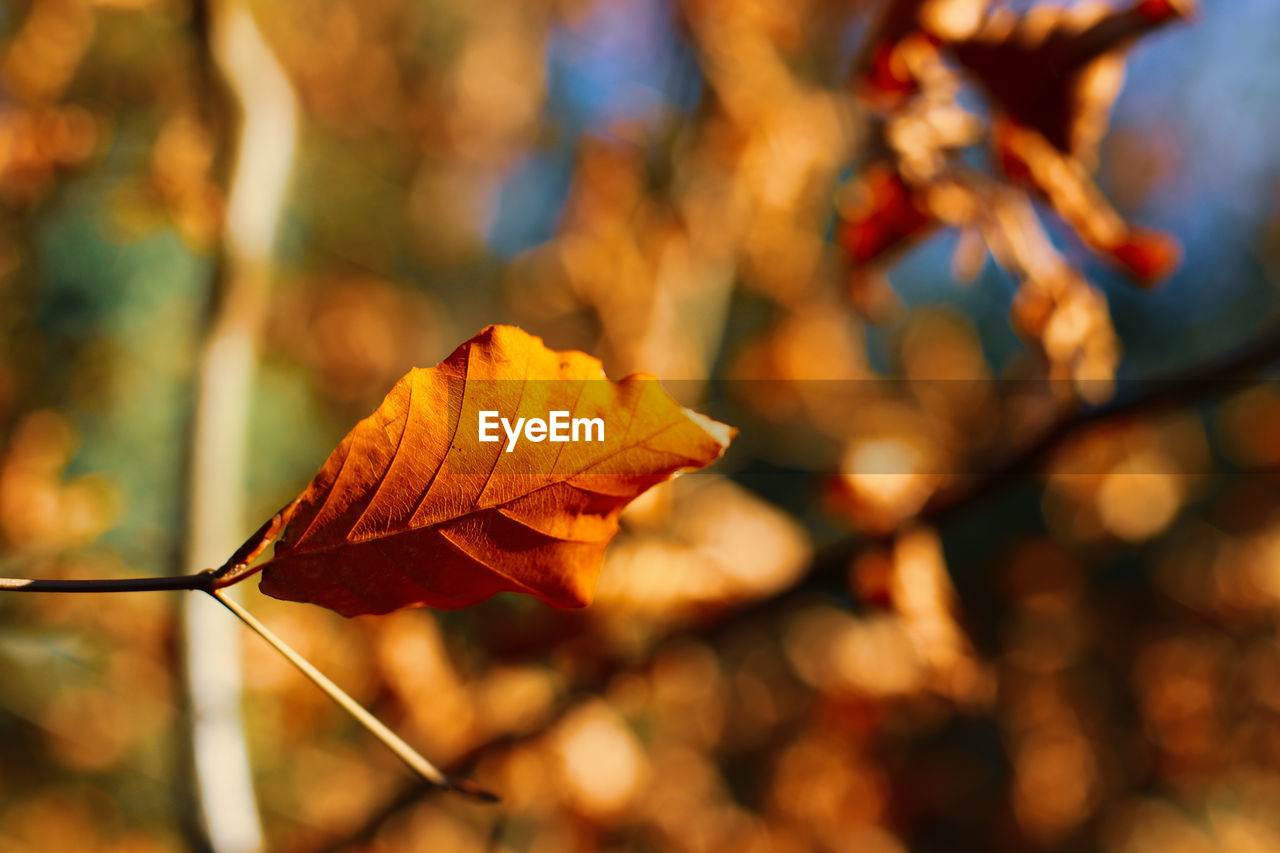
(1196, 385)
(198, 581)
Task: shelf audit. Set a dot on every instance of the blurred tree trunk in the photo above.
(262, 151)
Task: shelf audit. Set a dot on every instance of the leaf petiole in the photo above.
(376, 727)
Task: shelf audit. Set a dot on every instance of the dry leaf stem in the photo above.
(376, 727)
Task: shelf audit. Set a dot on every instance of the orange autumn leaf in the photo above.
(413, 508)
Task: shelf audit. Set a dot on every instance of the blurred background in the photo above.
(897, 243)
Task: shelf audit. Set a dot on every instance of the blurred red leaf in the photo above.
(1147, 256)
(413, 509)
(1037, 69)
(887, 217)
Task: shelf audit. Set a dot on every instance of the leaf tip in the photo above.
(721, 433)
